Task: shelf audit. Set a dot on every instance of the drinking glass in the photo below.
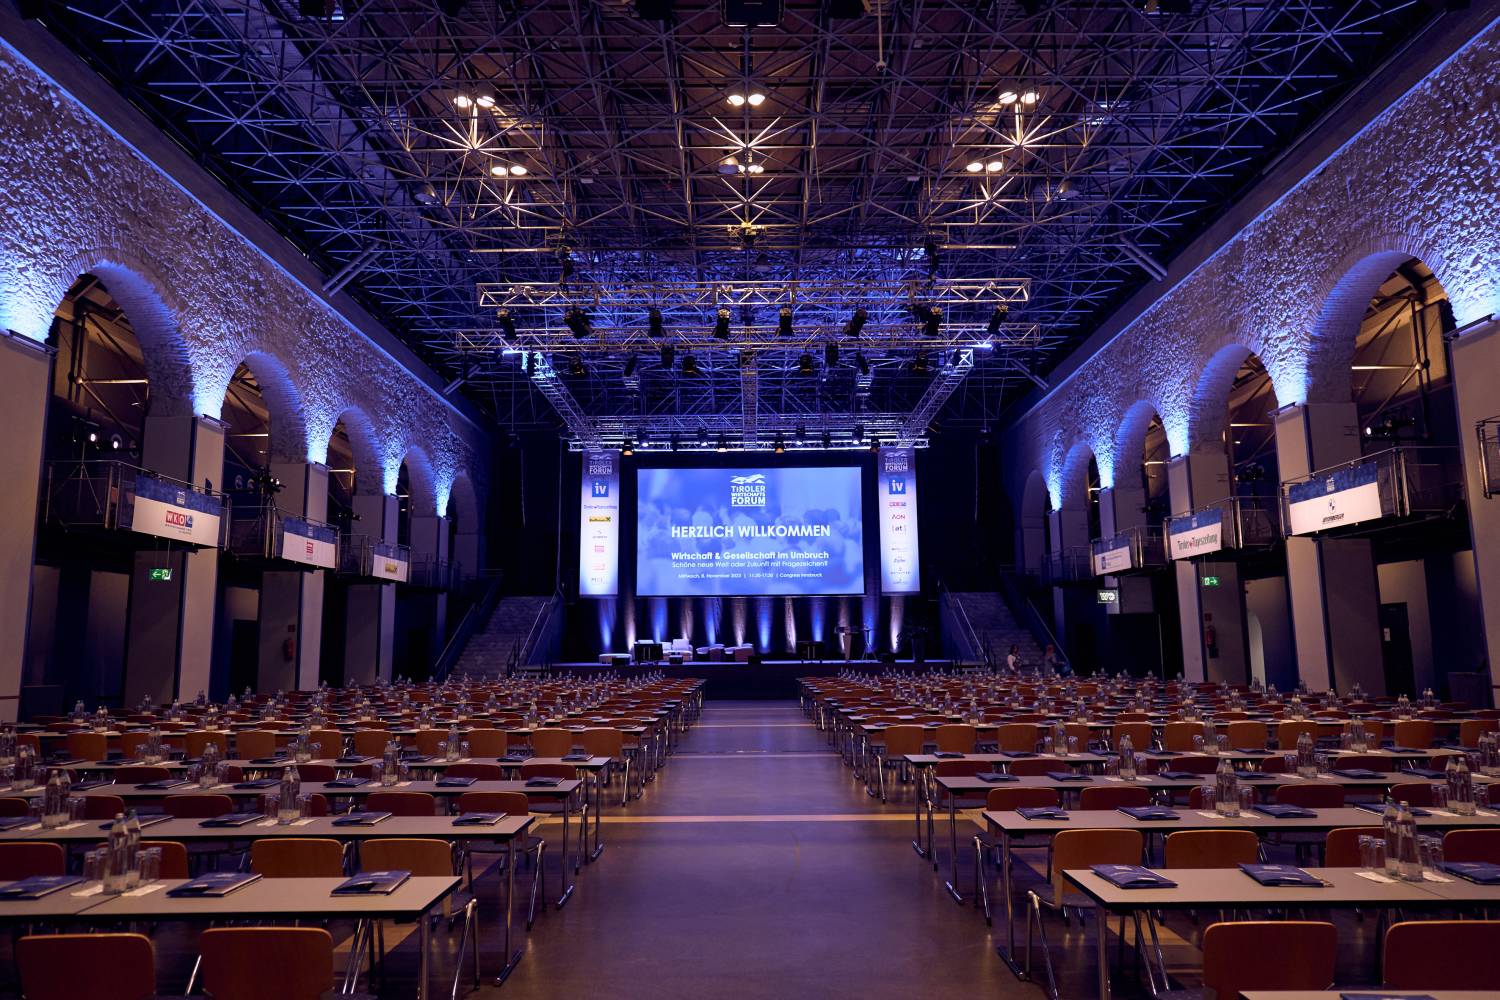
(1481, 796)
(1247, 798)
(463, 750)
(304, 806)
(1432, 853)
(1322, 762)
(442, 748)
(93, 864)
(149, 861)
(1208, 796)
(270, 803)
(1440, 795)
(75, 808)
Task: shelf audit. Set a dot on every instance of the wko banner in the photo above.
(174, 512)
(900, 572)
(599, 525)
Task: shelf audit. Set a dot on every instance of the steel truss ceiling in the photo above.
(557, 153)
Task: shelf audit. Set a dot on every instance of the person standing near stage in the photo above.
(1013, 659)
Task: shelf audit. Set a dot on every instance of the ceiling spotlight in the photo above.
(856, 322)
(668, 355)
(754, 168)
(1008, 97)
(484, 96)
(874, 445)
(723, 444)
(994, 166)
(575, 367)
(830, 355)
(507, 324)
(426, 194)
(628, 448)
(754, 98)
(463, 102)
(780, 445)
(689, 365)
(498, 170)
(1030, 97)
(738, 100)
(517, 170)
(974, 166)
(578, 321)
(784, 322)
(805, 364)
(116, 442)
(721, 324)
(996, 318)
(729, 165)
(655, 328)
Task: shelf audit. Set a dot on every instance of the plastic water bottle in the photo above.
(1410, 867)
(1460, 786)
(1127, 759)
(117, 862)
(1390, 821)
(54, 810)
(1059, 740)
(132, 850)
(455, 741)
(390, 770)
(1210, 738)
(291, 793)
(1307, 760)
(208, 768)
(1226, 790)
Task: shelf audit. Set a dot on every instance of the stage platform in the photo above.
(766, 679)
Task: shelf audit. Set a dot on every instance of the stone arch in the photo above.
(1073, 488)
(1130, 438)
(1330, 348)
(1031, 542)
(463, 500)
(289, 437)
(369, 468)
(421, 481)
(142, 294)
(1209, 416)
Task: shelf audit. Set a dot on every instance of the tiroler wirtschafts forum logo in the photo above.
(747, 490)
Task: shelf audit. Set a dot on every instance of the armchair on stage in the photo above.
(679, 651)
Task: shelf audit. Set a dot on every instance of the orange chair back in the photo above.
(1311, 794)
(1443, 955)
(1211, 849)
(89, 746)
(99, 806)
(1179, 736)
(1416, 793)
(1016, 736)
(367, 743)
(487, 742)
(1472, 845)
(197, 805)
(136, 774)
(1234, 956)
(1244, 734)
(251, 743)
(197, 741)
(1417, 733)
(510, 803)
(1139, 733)
(902, 740)
(1341, 848)
(1288, 732)
(602, 741)
(68, 966)
(251, 963)
(1035, 766)
(1011, 799)
(418, 855)
(953, 738)
(402, 803)
(1113, 796)
(174, 857)
(567, 772)
(297, 857)
(552, 742)
(426, 740)
(1074, 849)
(1470, 730)
(23, 859)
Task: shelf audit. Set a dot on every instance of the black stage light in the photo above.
(668, 355)
(578, 321)
(805, 364)
(996, 318)
(723, 444)
(859, 433)
(932, 324)
(860, 363)
(628, 448)
(830, 355)
(689, 365)
(801, 432)
(630, 366)
(922, 362)
(703, 435)
(313, 8)
(827, 439)
(856, 323)
(780, 445)
(575, 368)
(784, 322)
(874, 444)
(675, 441)
(721, 324)
(655, 328)
(507, 324)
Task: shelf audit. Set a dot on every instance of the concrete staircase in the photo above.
(994, 625)
(489, 649)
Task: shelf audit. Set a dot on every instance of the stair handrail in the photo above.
(478, 613)
(1014, 598)
(977, 650)
(538, 626)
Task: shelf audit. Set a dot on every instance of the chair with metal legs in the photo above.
(1002, 800)
(512, 804)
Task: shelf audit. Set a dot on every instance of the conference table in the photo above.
(1230, 888)
(266, 899)
(1370, 992)
(1011, 826)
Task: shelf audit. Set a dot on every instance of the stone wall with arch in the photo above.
(1292, 285)
(76, 198)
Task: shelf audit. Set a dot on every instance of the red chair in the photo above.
(23, 859)
(11, 808)
(1113, 796)
(399, 803)
(1341, 847)
(1472, 845)
(69, 966)
(138, 774)
(1311, 794)
(1443, 955)
(1235, 956)
(197, 805)
(100, 806)
(1413, 793)
(252, 963)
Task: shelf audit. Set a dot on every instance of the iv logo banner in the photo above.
(599, 525)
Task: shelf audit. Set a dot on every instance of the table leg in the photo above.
(1008, 952)
(563, 858)
(1101, 921)
(424, 942)
(953, 847)
(509, 957)
(917, 796)
(598, 782)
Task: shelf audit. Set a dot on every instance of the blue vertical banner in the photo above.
(599, 525)
(900, 572)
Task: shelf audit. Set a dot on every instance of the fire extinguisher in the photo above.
(1210, 636)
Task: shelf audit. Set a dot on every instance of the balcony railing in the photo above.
(1489, 455)
(115, 496)
(262, 531)
(362, 555)
(1404, 481)
(436, 574)
(1247, 522)
(1067, 566)
(1133, 550)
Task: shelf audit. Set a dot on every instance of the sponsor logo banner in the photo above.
(1115, 559)
(1196, 535)
(309, 544)
(599, 525)
(175, 512)
(896, 493)
(1348, 496)
(388, 562)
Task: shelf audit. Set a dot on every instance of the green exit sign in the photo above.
(1210, 581)
(161, 574)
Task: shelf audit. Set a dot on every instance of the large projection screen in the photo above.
(749, 532)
